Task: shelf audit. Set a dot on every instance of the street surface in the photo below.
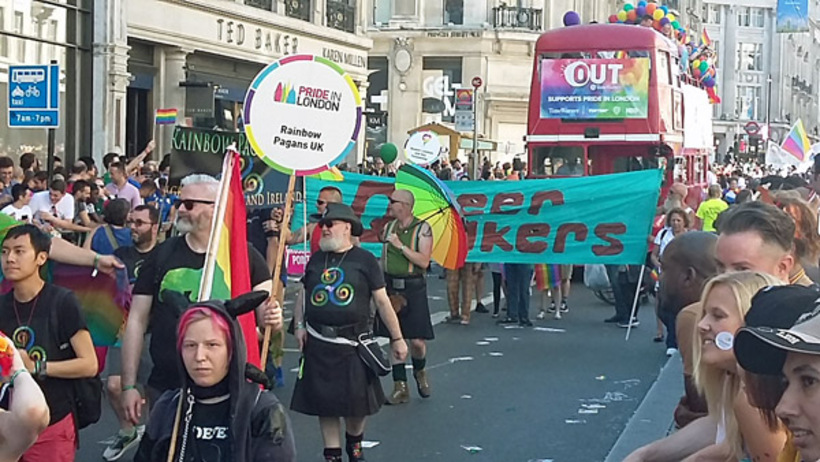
(518, 394)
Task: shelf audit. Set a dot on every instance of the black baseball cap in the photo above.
(781, 319)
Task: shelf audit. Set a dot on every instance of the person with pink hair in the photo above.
(224, 415)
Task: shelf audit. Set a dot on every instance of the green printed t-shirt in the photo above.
(709, 211)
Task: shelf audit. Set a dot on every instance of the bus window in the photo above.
(681, 173)
(623, 164)
(559, 160)
(663, 68)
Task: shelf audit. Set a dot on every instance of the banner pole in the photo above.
(277, 269)
(635, 301)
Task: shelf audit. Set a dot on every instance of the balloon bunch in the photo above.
(631, 14)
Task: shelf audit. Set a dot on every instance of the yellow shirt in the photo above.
(789, 452)
(709, 211)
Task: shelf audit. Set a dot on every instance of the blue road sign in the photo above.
(34, 96)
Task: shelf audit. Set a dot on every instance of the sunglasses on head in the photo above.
(190, 203)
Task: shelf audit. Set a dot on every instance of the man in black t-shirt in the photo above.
(176, 265)
(49, 330)
(144, 224)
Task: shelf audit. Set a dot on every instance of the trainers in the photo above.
(626, 324)
(480, 308)
(453, 319)
(564, 307)
(279, 378)
(551, 309)
(541, 315)
(121, 444)
(508, 321)
(671, 352)
(525, 323)
(557, 315)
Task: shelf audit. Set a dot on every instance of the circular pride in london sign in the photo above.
(302, 114)
(422, 148)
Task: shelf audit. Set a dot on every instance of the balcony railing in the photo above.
(261, 4)
(341, 15)
(517, 18)
(299, 9)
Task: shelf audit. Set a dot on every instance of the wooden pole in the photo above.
(635, 301)
(175, 432)
(277, 270)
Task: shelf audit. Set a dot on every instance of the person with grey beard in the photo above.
(176, 265)
(334, 383)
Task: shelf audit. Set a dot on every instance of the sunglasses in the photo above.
(190, 203)
(326, 224)
(139, 223)
(394, 201)
(320, 202)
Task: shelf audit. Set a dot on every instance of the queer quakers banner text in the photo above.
(597, 219)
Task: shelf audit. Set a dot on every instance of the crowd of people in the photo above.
(736, 269)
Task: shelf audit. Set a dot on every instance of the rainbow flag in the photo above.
(230, 276)
(797, 143)
(704, 39)
(166, 116)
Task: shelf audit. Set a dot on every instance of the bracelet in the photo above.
(396, 339)
(402, 248)
(96, 260)
(300, 325)
(128, 387)
(40, 369)
(14, 376)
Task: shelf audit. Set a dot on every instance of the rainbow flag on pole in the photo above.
(704, 39)
(166, 116)
(797, 143)
(227, 274)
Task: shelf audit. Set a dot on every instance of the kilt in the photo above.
(414, 318)
(334, 382)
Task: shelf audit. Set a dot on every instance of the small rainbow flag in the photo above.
(231, 273)
(704, 39)
(166, 116)
(797, 143)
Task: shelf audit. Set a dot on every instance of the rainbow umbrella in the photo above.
(331, 174)
(436, 204)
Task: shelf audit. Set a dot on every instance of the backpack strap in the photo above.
(111, 239)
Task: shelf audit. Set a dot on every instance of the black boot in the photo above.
(353, 446)
(333, 454)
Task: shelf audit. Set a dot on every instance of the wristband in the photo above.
(300, 325)
(40, 369)
(396, 339)
(14, 376)
(96, 260)
(128, 387)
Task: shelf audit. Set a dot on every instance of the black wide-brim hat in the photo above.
(343, 212)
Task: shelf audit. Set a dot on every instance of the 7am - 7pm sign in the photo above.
(34, 96)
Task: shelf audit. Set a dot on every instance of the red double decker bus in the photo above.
(610, 98)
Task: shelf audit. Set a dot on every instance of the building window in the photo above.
(750, 56)
(299, 9)
(744, 17)
(454, 12)
(341, 14)
(748, 102)
(716, 48)
(4, 41)
(714, 14)
(52, 35)
(704, 12)
(18, 28)
(758, 17)
(404, 7)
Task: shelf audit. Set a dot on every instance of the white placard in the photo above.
(423, 148)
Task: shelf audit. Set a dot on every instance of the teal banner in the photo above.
(597, 219)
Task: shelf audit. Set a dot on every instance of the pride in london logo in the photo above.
(284, 94)
(307, 96)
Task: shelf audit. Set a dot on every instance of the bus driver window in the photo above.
(559, 160)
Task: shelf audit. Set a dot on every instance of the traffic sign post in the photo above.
(34, 101)
(476, 85)
(34, 96)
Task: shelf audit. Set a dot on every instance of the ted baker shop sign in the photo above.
(594, 88)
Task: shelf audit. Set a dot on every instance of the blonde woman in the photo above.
(742, 432)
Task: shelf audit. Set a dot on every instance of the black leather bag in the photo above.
(372, 355)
